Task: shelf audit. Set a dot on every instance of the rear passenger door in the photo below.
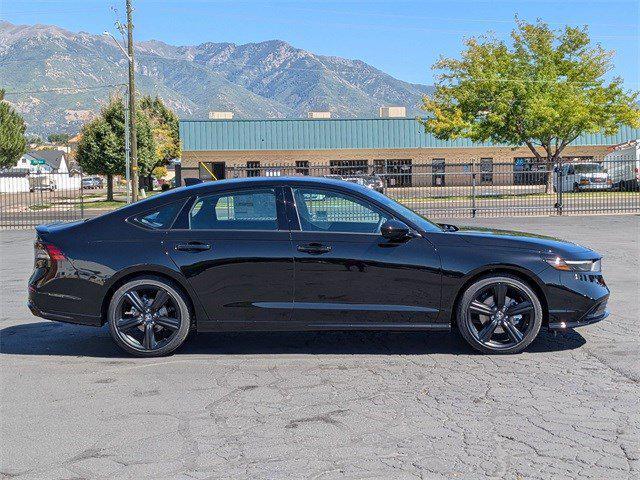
(234, 249)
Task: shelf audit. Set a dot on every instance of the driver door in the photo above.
(347, 275)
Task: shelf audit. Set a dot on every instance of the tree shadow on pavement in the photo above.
(50, 338)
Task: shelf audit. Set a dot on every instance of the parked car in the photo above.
(92, 182)
(42, 182)
(303, 253)
(578, 177)
(374, 182)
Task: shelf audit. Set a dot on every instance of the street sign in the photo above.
(38, 161)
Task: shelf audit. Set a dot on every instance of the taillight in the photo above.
(46, 254)
(54, 253)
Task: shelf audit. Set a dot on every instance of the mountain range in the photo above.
(59, 79)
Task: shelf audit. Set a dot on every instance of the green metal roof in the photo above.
(315, 134)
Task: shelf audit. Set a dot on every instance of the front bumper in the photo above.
(575, 299)
(598, 313)
(595, 186)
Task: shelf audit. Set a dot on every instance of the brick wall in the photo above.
(421, 159)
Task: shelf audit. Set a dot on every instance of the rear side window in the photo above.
(241, 210)
(159, 218)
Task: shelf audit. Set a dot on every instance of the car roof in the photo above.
(265, 181)
(206, 188)
(209, 187)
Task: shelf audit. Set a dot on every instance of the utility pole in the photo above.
(127, 150)
(132, 106)
(127, 134)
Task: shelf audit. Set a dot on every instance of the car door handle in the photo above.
(193, 247)
(314, 248)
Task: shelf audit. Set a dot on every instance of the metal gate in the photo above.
(479, 188)
(483, 187)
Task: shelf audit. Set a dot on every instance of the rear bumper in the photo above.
(62, 317)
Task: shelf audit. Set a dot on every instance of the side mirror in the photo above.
(395, 230)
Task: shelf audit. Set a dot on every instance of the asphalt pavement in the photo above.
(331, 404)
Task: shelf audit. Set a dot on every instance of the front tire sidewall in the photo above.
(463, 312)
(185, 315)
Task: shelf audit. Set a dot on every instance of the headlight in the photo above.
(560, 263)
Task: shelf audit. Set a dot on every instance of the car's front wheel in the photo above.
(149, 317)
(499, 314)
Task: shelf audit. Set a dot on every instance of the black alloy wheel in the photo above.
(499, 314)
(149, 317)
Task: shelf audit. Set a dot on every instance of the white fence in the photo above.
(14, 184)
(18, 183)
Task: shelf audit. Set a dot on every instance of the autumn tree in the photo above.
(542, 90)
(12, 128)
(101, 149)
(165, 128)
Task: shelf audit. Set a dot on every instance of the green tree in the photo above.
(101, 149)
(542, 91)
(58, 138)
(12, 127)
(33, 139)
(164, 124)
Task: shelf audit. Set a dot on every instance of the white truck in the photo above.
(623, 165)
(577, 177)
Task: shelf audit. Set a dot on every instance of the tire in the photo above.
(148, 331)
(475, 326)
(576, 188)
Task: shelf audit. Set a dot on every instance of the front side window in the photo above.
(159, 218)
(241, 210)
(326, 211)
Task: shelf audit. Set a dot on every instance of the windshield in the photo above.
(588, 168)
(409, 214)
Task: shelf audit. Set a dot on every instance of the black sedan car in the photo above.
(305, 254)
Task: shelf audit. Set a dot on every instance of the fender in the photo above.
(461, 282)
(162, 270)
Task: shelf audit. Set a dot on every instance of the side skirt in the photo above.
(294, 327)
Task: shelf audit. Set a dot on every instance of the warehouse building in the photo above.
(397, 147)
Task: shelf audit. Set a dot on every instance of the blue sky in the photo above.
(403, 38)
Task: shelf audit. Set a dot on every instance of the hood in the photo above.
(510, 239)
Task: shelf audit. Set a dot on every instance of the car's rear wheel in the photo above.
(499, 314)
(149, 317)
